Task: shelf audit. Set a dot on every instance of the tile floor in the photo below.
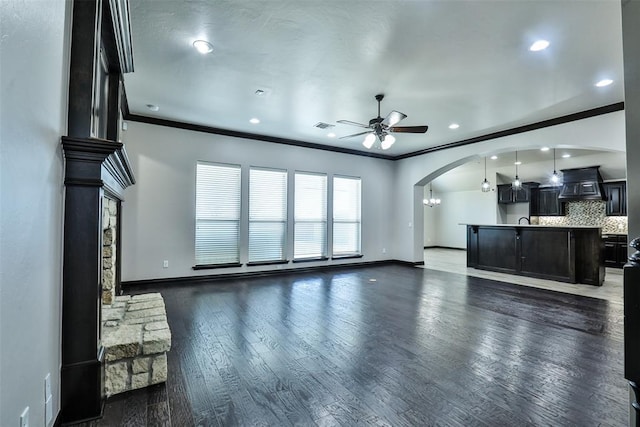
(455, 261)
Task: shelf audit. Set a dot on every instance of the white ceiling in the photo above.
(321, 61)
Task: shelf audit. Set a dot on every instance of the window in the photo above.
(310, 231)
(267, 215)
(217, 213)
(346, 216)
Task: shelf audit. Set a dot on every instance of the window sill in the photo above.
(212, 266)
(282, 261)
(323, 258)
(347, 256)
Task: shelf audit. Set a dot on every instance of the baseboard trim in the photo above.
(444, 247)
(140, 285)
(408, 263)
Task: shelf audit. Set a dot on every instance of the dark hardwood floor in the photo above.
(416, 347)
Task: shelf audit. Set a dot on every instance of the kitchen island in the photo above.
(566, 254)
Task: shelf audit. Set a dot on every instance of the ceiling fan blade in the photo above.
(355, 134)
(409, 129)
(393, 118)
(349, 122)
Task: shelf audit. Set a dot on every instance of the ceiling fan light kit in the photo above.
(369, 140)
(381, 129)
(387, 141)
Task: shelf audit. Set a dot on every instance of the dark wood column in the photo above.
(82, 375)
(632, 327)
(100, 53)
(82, 371)
(85, 44)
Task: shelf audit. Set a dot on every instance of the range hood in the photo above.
(582, 184)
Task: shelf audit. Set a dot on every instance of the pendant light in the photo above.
(555, 178)
(486, 186)
(431, 202)
(516, 182)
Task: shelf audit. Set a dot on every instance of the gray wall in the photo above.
(159, 211)
(34, 58)
(631, 47)
(443, 223)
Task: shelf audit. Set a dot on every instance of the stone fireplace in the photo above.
(109, 249)
(134, 329)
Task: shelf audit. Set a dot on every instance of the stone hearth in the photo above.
(136, 338)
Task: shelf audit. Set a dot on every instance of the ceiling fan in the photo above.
(382, 128)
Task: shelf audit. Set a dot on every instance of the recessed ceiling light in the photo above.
(254, 121)
(539, 45)
(604, 82)
(454, 126)
(331, 135)
(517, 163)
(203, 46)
(153, 107)
(494, 157)
(544, 149)
(566, 156)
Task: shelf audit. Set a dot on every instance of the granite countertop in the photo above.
(535, 226)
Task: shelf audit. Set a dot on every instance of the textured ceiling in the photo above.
(321, 61)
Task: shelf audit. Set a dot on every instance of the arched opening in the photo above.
(458, 186)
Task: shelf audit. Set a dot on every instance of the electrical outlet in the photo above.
(24, 418)
(165, 264)
(384, 250)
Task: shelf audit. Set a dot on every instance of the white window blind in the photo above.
(346, 216)
(267, 214)
(217, 213)
(310, 230)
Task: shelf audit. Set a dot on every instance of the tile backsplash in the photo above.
(589, 213)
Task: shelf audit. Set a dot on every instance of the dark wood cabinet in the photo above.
(507, 194)
(616, 194)
(615, 250)
(583, 190)
(521, 195)
(545, 202)
(567, 254)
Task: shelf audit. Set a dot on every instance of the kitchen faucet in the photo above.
(524, 217)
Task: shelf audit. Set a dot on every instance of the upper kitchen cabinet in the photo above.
(545, 202)
(504, 193)
(507, 194)
(616, 194)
